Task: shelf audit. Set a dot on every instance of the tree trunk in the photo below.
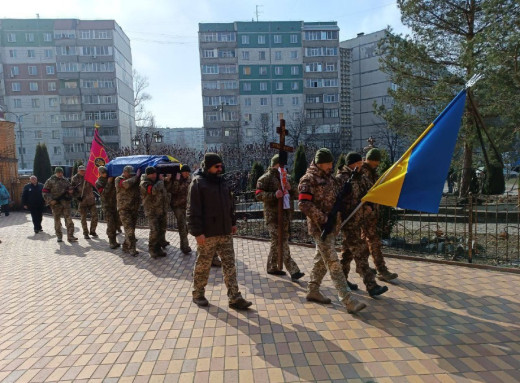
(467, 170)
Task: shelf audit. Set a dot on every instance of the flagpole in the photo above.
(472, 81)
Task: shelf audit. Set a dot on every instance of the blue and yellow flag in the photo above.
(416, 181)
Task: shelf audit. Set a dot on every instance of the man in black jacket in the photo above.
(212, 221)
(32, 200)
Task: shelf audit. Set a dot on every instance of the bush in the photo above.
(494, 182)
(256, 172)
(300, 165)
(42, 163)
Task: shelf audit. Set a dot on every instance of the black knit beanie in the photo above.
(353, 157)
(211, 159)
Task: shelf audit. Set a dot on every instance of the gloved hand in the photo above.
(279, 194)
(53, 202)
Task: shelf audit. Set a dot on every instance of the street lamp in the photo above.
(155, 136)
(19, 119)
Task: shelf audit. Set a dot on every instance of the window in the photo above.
(313, 99)
(229, 84)
(278, 55)
(279, 101)
(261, 55)
(84, 34)
(314, 113)
(261, 39)
(262, 71)
(29, 37)
(209, 53)
(329, 98)
(295, 100)
(277, 39)
(210, 69)
(31, 69)
(245, 39)
(35, 102)
(21, 151)
(295, 70)
(211, 117)
(47, 37)
(55, 134)
(12, 53)
(51, 86)
(48, 53)
(247, 87)
(226, 53)
(17, 102)
(294, 55)
(246, 70)
(331, 113)
(263, 86)
(278, 70)
(229, 69)
(226, 132)
(11, 37)
(30, 53)
(263, 101)
(330, 67)
(213, 132)
(33, 86)
(313, 67)
(38, 134)
(49, 69)
(247, 101)
(295, 85)
(57, 150)
(279, 85)
(53, 102)
(15, 87)
(248, 117)
(55, 118)
(331, 51)
(15, 71)
(37, 119)
(245, 54)
(210, 85)
(294, 39)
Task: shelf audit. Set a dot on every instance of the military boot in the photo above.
(200, 301)
(86, 236)
(165, 244)
(93, 234)
(113, 243)
(126, 248)
(154, 253)
(386, 275)
(186, 250)
(133, 252)
(240, 304)
(353, 305)
(72, 239)
(377, 290)
(352, 286)
(316, 296)
(59, 239)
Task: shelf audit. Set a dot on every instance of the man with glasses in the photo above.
(212, 221)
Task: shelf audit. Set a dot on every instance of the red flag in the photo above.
(98, 157)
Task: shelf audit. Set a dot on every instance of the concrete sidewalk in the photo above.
(82, 312)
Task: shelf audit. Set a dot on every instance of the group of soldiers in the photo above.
(205, 207)
(121, 197)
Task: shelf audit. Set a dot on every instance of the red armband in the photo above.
(46, 190)
(121, 183)
(149, 189)
(305, 197)
(100, 190)
(258, 191)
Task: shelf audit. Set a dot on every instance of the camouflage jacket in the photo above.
(107, 191)
(56, 188)
(266, 188)
(179, 192)
(318, 192)
(154, 196)
(127, 192)
(370, 177)
(84, 190)
(360, 187)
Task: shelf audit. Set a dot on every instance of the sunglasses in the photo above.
(217, 166)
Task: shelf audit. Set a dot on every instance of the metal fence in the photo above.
(477, 229)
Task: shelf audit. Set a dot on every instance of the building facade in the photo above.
(184, 137)
(255, 73)
(363, 85)
(59, 78)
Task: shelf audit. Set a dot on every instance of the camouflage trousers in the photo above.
(326, 259)
(129, 220)
(83, 210)
(370, 235)
(353, 247)
(222, 245)
(112, 220)
(157, 225)
(272, 259)
(180, 216)
(62, 210)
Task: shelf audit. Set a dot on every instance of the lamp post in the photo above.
(148, 139)
(19, 119)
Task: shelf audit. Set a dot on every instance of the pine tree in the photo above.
(42, 164)
(300, 165)
(256, 172)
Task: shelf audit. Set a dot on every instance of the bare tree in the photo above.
(297, 129)
(264, 135)
(392, 142)
(142, 116)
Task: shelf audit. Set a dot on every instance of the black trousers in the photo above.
(4, 209)
(36, 215)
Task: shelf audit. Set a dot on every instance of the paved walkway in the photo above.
(79, 312)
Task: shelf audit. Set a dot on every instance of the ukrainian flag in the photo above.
(416, 181)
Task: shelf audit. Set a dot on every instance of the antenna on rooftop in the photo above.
(258, 11)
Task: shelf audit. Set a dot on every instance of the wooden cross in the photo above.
(282, 148)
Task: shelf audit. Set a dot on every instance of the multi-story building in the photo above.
(60, 77)
(184, 137)
(255, 73)
(363, 85)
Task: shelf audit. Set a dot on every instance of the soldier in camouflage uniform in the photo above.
(318, 190)
(178, 189)
(107, 190)
(84, 193)
(155, 202)
(369, 224)
(269, 191)
(57, 193)
(352, 246)
(127, 195)
(212, 221)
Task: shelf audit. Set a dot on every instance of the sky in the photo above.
(163, 36)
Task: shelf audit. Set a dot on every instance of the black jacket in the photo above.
(211, 208)
(32, 196)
